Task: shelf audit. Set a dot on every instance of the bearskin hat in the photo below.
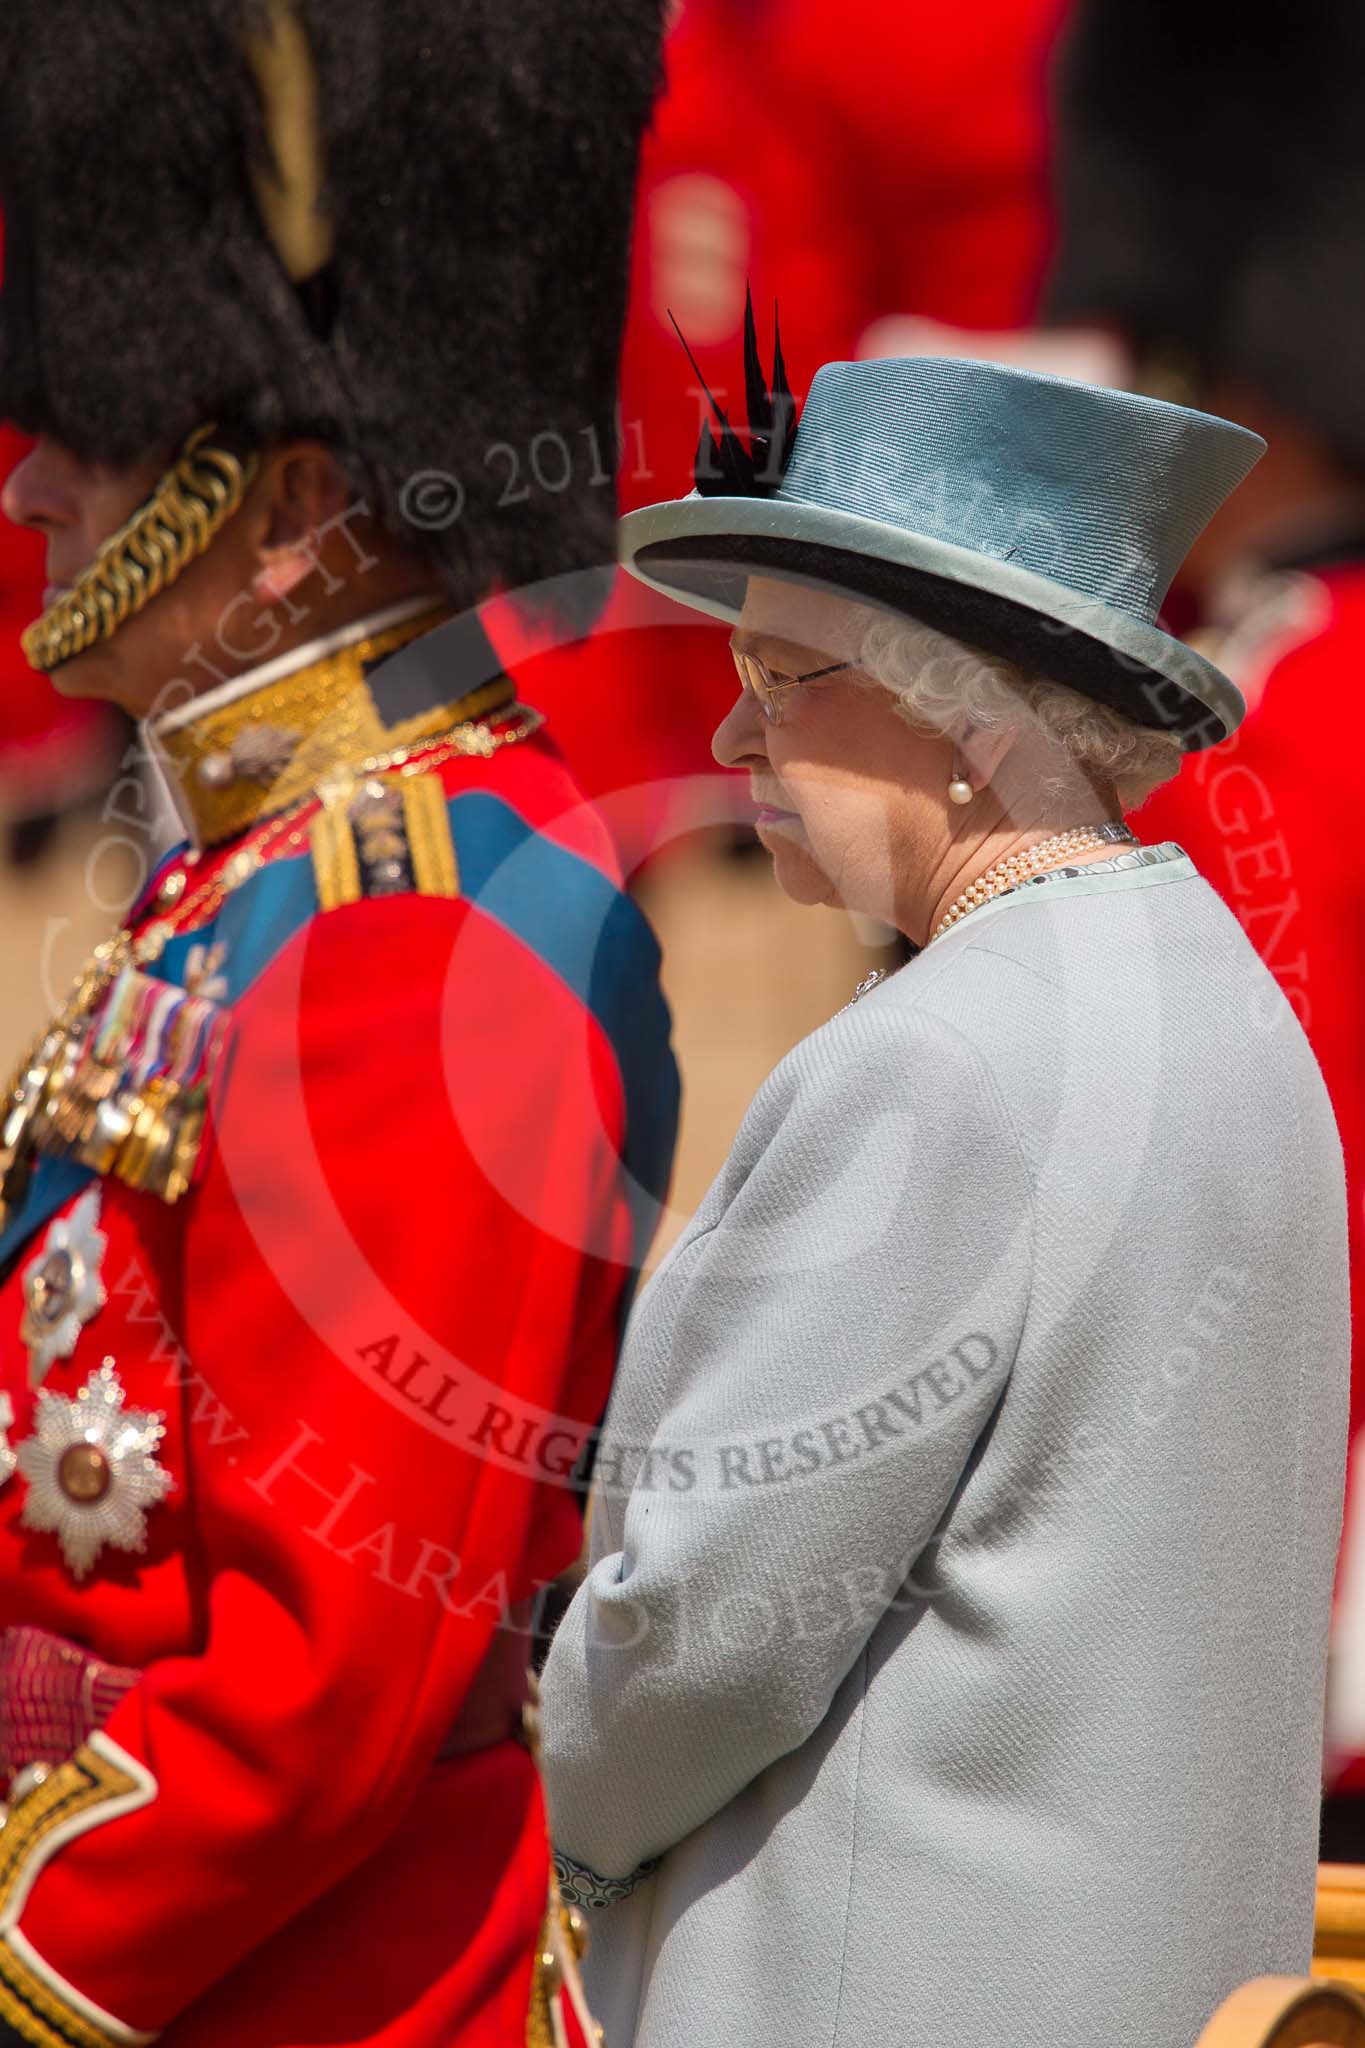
(444, 305)
(1211, 188)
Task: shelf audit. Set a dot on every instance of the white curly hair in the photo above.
(944, 687)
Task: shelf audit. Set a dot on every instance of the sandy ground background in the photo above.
(747, 973)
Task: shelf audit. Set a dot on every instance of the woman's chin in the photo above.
(796, 873)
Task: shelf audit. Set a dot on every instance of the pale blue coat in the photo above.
(960, 1647)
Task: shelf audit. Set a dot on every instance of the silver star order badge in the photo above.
(92, 1471)
(8, 1457)
(62, 1287)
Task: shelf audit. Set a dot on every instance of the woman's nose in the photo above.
(741, 735)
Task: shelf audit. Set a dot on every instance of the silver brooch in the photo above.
(62, 1287)
(8, 1456)
(865, 987)
(92, 1471)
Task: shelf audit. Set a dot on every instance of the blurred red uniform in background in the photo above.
(852, 162)
(1211, 186)
(1262, 818)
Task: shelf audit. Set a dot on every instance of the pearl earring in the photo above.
(960, 791)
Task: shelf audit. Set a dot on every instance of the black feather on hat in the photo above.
(463, 309)
(732, 466)
(1211, 184)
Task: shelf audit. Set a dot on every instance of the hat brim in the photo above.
(702, 551)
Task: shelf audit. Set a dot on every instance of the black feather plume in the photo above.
(733, 467)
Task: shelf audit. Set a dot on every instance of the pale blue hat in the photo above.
(1036, 518)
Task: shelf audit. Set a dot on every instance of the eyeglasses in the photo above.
(768, 683)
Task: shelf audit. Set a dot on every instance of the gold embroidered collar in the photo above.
(265, 740)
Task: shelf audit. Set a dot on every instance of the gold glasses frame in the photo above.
(767, 684)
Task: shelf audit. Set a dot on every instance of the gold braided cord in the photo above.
(192, 502)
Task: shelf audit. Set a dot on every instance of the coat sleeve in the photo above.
(400, 1277)
(828, 1352)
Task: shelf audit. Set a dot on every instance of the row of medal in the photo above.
(119, 1083)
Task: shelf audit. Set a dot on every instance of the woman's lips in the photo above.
(769, 814)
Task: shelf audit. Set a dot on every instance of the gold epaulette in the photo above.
(388, 835)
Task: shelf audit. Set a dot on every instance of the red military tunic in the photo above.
(375, 1327)
(1268, 818)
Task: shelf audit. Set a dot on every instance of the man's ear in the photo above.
(300, 490)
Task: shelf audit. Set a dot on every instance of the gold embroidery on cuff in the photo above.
(32, 2011)
(99, 1783)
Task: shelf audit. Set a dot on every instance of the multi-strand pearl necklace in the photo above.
(1007, 874)
(1033, 860)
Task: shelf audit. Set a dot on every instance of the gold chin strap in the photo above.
(194, 499)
